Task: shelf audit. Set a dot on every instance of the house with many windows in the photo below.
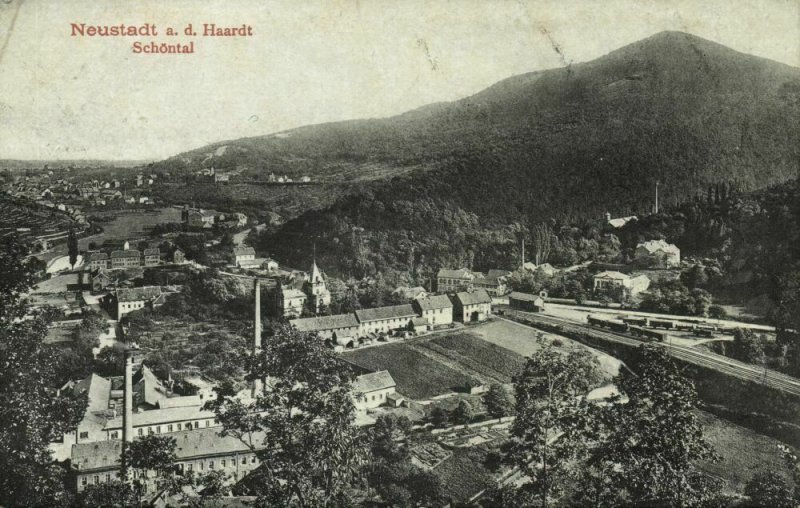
(437, 310)
(472, 306)
(454, 280)
(373, 389)
(384, 319)
(129, 300)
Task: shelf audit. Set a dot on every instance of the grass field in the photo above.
(417, 376)
(523, 341)
(487, 358)
(742, 452)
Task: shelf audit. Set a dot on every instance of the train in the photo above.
(650, 329)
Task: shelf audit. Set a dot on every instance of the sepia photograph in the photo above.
(421, 253)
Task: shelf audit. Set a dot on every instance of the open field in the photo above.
(523, 341)
(417, 376)
(486, 358)
(743, 452)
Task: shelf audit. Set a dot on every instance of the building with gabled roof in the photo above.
(152, 257)
(98, 260)
(609, 279)
(472, 306)
(454, 280)
(317, 290)
(384, 319)
(290, 301)
(328, 327)
(658, 253)
(371, 390)
(126, 258)
(526, 301)
(196, 451)
(244, 256)
(437, 309)
(129, 300)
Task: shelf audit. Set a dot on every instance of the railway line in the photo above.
(706, 359)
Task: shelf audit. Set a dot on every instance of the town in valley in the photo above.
(577, 287)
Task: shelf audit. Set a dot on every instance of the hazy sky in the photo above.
(64, 97)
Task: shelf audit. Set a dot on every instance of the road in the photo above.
(698, 357)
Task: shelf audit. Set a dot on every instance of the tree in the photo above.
(498, 401)
(717, 312)
(649, 444)
(31, 416)
(440, 417)
(544, 435)
(769, 489)
(463, 413)
(72, 248)
(747, 346)
(542, 239)
(301, 424)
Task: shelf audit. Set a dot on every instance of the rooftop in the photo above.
(314, 324)
(525, 297)
(461, 273)
(130, 253)
(161, 416)
(612, 275)
(373, 381)
(474, 297)
(190, 444)
(138, 294)
(244, 251)
(383, 313)
(152, 252)
(434, 302)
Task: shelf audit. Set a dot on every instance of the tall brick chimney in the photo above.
(127, 412)
(257, 385)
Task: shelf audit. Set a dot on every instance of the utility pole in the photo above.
(522, 264)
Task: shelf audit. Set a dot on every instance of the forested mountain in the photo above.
(673, 108)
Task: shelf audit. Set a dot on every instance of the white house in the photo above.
(659, 252)
(634, 284)
(372, 389)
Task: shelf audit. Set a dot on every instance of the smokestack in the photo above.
(257, 386)
(522, 265)
(127, 413)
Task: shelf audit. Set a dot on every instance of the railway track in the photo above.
(706, 359)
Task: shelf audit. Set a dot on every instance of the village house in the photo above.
(244, 257)
(384, 319)
(126, 258)
(526, 302)
(454, 280)
(152, 257)
(98, 260)
(270, 265)
(373, 389)
(196, 451)
(408, 293)
(658, 253)
(544, 268)
(334, 328)
(472, 306)
(196, 218)
(494, 282)
(620, 221)
(129, 300)
(290, 301)
(100, 280)
(609, 279)
(222, 177)
(437, 310)
(178, 256)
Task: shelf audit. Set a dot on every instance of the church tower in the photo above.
(318, 291)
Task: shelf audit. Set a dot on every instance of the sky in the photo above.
(308, 61)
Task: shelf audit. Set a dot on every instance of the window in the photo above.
(189, 467)
(158, 429)
(210, 464)
(139, 432)
(223, 463)
(244, 460)
(84, 435)
(201, 465)
(115, 435)
(179, 426)
(149, 430)
(96, 479)
(84, 481)
(108, 477)
(169, 427)
(208, 423)
(253, 459)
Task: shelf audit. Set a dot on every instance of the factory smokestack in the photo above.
(127, 410)
(257, 385)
